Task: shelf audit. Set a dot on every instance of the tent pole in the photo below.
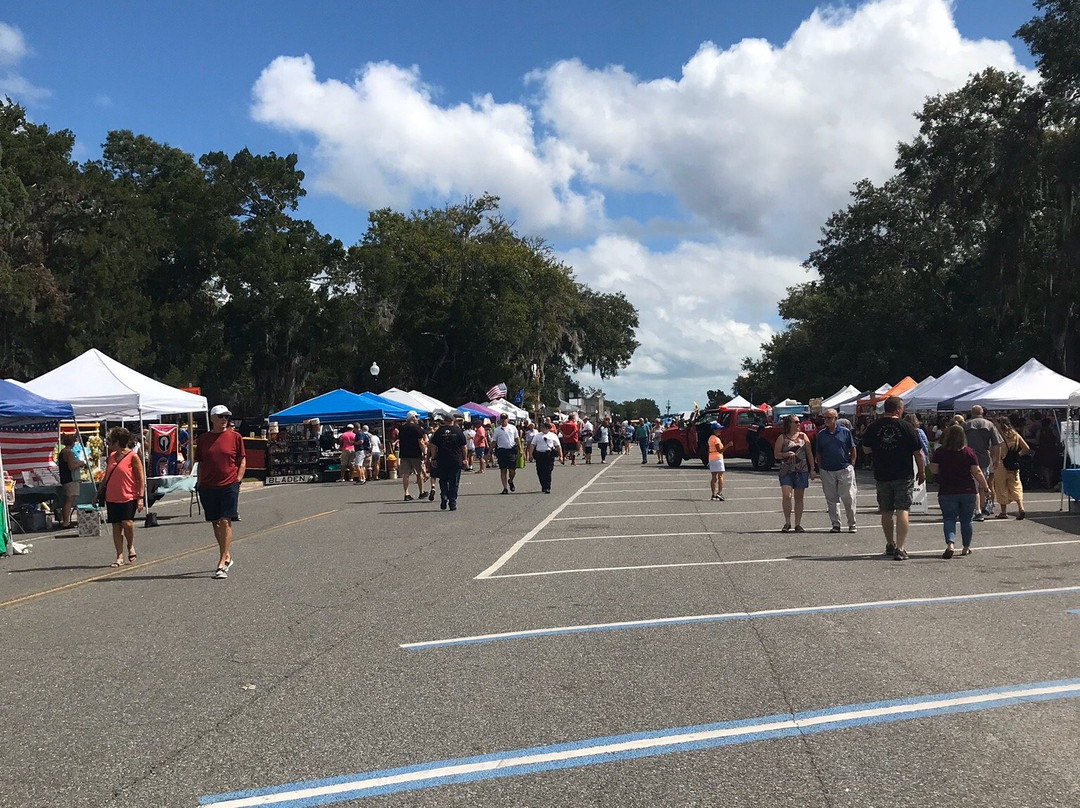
(6, 526)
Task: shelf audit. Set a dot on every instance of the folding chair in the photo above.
(194, 501)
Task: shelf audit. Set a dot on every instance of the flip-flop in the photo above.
(117, 564)
(132, 557)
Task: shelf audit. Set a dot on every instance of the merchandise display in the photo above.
(292, 459)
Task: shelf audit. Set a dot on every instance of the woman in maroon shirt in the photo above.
(958, 474)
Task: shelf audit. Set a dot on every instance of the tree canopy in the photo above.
(198, 272)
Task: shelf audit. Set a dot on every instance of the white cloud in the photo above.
(13, 49)
(756, 135)
(702, 307)
(383, 140)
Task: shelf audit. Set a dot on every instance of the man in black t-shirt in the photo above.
(893, 445)
(411, 445)
(446, 457)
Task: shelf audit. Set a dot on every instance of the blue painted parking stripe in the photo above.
(637, 745)
(730, 616)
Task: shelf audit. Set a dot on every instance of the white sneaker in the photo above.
(228, 564)
(220, 573)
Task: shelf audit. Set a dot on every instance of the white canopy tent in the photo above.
(848, 407)
(907, 395)
(431, 403)
(739, 403)
(1032, 385)
(950, 384)
(97, 386)
(846, 393)
(408, 399)
(502, 405)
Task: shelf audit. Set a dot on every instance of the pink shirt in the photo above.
(122, 486)
(347, 440)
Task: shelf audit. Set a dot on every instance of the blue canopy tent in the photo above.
(339, 406)
(20, 407)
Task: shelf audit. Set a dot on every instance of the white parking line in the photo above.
(782, 560)
(795, 611)
(543, 523)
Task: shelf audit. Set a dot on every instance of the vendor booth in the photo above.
(844, 394)
(29, 426)
(296, 456)
(408, 400)
(97, 386)
(738, 403)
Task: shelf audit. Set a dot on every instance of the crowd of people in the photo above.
(976, 462)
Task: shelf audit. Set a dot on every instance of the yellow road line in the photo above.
(128, 567)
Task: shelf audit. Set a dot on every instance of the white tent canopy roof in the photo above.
(432, 404)
(1032, 384)
(845, 393)
(739, 403)
(97, 386)
(950, 384)
(410, 400)
(907, 395)
(502, 405)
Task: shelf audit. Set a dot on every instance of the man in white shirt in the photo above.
(506, 452)
(373, 461)
(544, 448)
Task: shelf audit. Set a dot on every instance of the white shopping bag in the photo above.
(918, 498)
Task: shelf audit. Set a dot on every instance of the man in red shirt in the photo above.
(569, 438)
(222, 463)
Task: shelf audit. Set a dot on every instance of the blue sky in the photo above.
(658, 164)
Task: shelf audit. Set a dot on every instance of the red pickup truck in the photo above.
(746, 433)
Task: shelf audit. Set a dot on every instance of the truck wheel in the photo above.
(673, 455)
(761, 458)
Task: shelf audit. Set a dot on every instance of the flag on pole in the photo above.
(498, 391)
(28, 447)
(519, 397)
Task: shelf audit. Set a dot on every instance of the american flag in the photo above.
(28, 447)
(498, 391)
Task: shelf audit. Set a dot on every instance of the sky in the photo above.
(685, 154)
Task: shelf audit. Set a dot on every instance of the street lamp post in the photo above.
(374, 371)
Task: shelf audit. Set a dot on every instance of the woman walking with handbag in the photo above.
(1007, 485)
(121, 491)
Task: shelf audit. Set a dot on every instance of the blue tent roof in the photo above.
(340, 406)
(19, 406)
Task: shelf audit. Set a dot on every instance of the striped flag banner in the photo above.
(28, 447)
(498, 391)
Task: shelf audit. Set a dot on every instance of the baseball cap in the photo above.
(438, 415)
(220, 409)
(349, 426)
(715, 425)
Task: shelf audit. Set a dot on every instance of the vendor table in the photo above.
(160, 486)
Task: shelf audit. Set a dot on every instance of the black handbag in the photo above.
(1011, 461)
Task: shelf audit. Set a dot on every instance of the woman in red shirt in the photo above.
(124, 483)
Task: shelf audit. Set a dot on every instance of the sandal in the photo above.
(1002, 516)
(117, 563)
(1021, 514)
(965, 551)
(132, 556)
(785, 529)
(800, 529)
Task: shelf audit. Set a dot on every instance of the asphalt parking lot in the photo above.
(622, 642)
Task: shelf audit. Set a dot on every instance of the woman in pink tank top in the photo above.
(124, 481)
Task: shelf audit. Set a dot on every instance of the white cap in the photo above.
(220, 409)
(349, 426)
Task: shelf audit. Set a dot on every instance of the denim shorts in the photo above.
(797, 479)
(895, 495)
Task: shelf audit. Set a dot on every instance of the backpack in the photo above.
(365, 441)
